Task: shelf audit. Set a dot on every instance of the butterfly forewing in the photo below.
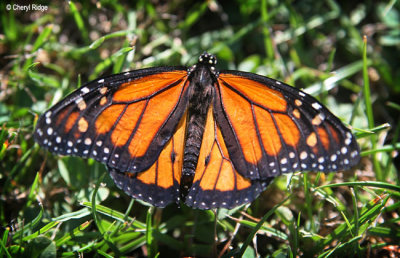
(123, 121)
(272, 128)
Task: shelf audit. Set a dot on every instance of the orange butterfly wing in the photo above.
(159, 185)
(271, 128)
(216, 182)
(123, 120)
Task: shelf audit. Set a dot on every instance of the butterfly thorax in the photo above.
(201, 91)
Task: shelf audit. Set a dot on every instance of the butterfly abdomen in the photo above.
(200, 97)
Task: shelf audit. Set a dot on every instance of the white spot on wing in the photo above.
(80, 103)
(316, 105)
(85, 90)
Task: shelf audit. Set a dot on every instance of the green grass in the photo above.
(64, 206)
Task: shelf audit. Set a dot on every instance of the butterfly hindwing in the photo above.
(158, 185)
(272, 128)
(123, 120)
(216, 182)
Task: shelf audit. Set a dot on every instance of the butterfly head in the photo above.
(208, 59)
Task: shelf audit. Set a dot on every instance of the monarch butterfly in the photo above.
(194, 135)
